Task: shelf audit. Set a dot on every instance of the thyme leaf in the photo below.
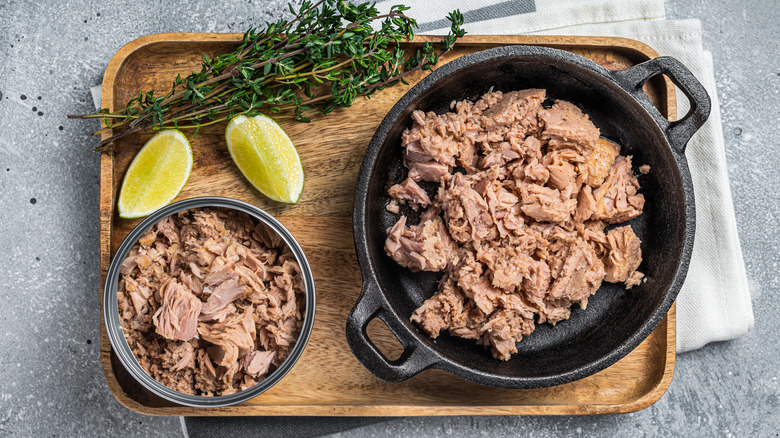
(326, 57)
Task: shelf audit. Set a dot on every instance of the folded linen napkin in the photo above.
(714, 303)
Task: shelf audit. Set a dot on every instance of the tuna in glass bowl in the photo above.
(209, 302)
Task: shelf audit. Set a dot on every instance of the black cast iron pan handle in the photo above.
(678, 133)
(415, 358)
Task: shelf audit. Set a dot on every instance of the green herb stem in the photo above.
(327, 56)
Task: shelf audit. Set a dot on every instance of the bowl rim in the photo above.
(111, 309)
(434, 358)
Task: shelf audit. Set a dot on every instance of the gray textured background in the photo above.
(50, 377)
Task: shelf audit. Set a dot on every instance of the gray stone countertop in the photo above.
(51, 381)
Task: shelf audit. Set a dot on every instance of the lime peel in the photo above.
(156, 175)
(266, 157)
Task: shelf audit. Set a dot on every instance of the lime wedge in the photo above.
(266, 157)
(156, 175)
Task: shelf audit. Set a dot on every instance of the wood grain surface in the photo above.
(328, 380)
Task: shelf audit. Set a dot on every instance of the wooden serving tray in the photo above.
(328, 380)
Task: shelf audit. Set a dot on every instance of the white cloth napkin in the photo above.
(714, 303)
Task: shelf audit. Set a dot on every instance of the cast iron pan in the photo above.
(616, 320)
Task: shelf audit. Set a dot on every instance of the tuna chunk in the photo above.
(167, 228)
(547, 205)
(428, 171)
(177, 318)
(476, 285)
(593, 233)
(393, 207)
(192, 283)
(257, 363)
(504, 330)
(538, 280)
(562, 173)
(433, 145)
(531, 147)
(565, 126)
(183, 356)
(514, 107)
(178, 360)
(551, 311)
(219, 275)
(139, 295)
(599, 162)
(148, 239)
(206, 381)
(617, 199)
(434, 137)
(267, 237)
(235, 336)
(500, 156)
(504, 208)
(625, 255)
(216, 306)
(578, 272)
(409, 191)
(533, 172)
(586, 205)
(507, 265)
(129, 264)
(424, 247)
(467, 214)
(442, 311)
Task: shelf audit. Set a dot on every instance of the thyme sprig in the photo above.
(325, 57)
